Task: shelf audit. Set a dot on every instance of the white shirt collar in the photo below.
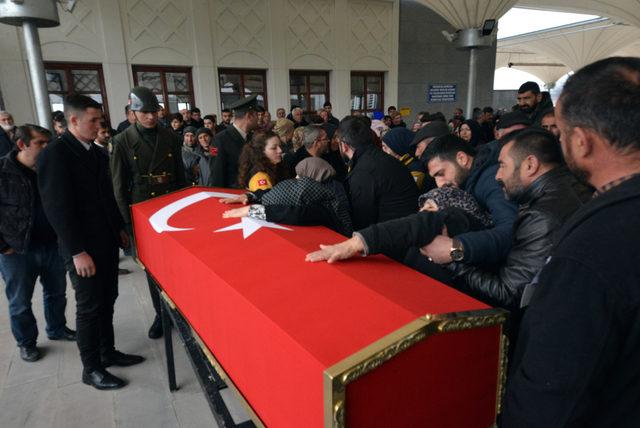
(244, 134)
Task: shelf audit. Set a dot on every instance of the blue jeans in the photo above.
(20, 272)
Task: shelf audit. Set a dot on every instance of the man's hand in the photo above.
(439, 250)
(236, 212)
(333, 253)
(124, 239)
(240, 199)
(84, 265)
(8, 252)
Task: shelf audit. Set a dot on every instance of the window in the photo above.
(367, 92)
(236, 84)
(75, 78)
(173, 86)
(309, 90)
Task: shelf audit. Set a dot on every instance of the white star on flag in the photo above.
(251, 225)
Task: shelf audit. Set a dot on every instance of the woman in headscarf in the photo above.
(314, 197)
(396, 143)
(471, 132)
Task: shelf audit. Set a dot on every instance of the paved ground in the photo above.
(49, 393)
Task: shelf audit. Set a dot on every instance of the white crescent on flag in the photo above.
(160, 219)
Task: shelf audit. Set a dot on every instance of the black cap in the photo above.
(245, 104)
(517, 117)
(189, 129)
(433, 129)
(204, 130)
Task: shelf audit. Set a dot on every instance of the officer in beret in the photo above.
(146, 162)
(230, 142)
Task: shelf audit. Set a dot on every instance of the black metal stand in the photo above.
(209, 379)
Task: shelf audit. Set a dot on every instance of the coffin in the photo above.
(363, 343)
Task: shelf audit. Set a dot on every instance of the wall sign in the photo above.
(442, 93)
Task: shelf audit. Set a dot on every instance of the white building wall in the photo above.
(338, 36)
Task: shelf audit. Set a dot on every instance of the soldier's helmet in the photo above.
(143, 99)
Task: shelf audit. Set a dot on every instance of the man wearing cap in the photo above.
(231, 141)
(146, 162)
(426, 135)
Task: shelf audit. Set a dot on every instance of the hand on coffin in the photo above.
(333, 253)
(240, 199)
(236, 212)
(439, 250)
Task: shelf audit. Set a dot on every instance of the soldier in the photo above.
(230, 142)
(146, 162)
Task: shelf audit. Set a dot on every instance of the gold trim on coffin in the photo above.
(338, 376)
(218, 368)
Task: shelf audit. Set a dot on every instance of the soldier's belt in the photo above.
(158, 179)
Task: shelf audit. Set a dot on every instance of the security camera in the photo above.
(450, 37)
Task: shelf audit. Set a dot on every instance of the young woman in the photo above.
(261, 167)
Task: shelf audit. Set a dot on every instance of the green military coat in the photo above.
(142, 169)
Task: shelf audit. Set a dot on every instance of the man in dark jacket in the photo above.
(452, 162)
(77, 197)
(130, 119)
(7, 131)
(232, 140)
(379, 187)
(28, 247)
(146, 162)
(532, 102)
(576, 361)
(315, 143)
(531, 174)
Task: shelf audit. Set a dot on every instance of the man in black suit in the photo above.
(77, 197)
(231, 141)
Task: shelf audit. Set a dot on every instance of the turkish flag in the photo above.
(276, 323)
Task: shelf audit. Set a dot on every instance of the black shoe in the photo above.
(29, 353)
(102, 379)
(117, 358)
(155, 332)
(67, 334)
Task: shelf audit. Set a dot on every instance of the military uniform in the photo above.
(142, 170)
(229, 144)
(146, 162)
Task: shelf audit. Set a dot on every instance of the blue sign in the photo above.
(442, 93)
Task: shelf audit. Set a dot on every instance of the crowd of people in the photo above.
(534, 211)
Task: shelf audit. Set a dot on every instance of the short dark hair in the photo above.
(605, 97)
(533, 141)
(327, 104)
(104, 125)
(76, 103)
(391, 107)
(25, 132)
(195, 110)
(447, 148)
(355, 132)
(488, 109)
(529, 86)
(548, 112)
(386, 117)
(127, 108)
(175, 116)
(57, 116)
(211, 117)
(226, 110)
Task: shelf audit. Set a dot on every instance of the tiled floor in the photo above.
(49, 393)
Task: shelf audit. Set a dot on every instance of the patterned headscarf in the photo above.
(446, 197)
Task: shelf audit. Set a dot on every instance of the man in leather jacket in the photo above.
(531, 175)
